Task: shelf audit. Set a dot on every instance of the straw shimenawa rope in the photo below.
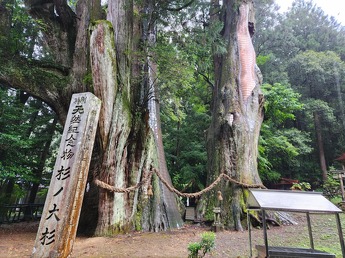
(172, 189)
(189, 195)
(122, 190)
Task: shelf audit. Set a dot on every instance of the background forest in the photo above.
(301, 55)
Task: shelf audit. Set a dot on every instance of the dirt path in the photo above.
(16, 240)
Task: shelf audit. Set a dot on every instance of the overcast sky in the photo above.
(334, 8)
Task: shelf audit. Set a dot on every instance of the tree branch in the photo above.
(59, 29)
(40, 79)
(179, 8)
(65, 14)
(50, 67)
(206, 78)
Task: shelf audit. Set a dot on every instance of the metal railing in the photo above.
(20, 212)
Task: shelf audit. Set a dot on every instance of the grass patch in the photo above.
(324, 230)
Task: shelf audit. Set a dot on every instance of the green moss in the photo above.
(34, 77)
(237, 5)
(138, 226)
(156, 187)
(138, 217)
(243, 200)
(87, 80)
(126, 105)
(96, 22)
(136, 13)
(209, 215)
(116, 229)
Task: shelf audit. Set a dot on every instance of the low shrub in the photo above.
(199, 249)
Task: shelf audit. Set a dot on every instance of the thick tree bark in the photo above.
(126, 146)
(232, 138)
(129, 148)
(168, 200)
(129, 140)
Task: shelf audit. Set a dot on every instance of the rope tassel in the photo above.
(149, 191)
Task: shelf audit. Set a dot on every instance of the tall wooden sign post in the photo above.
(59, 221)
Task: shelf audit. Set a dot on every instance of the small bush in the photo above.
(302, 186)
(331, 187)
(193, 249)
(199, 249)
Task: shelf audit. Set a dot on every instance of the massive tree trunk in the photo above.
(109, 64)
(232, 139)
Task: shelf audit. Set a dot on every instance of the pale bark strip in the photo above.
(59, 221)
(114, 128)
(120, 15)
(246, 54)
(103, 63)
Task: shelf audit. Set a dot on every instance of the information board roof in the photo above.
(289, 200)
